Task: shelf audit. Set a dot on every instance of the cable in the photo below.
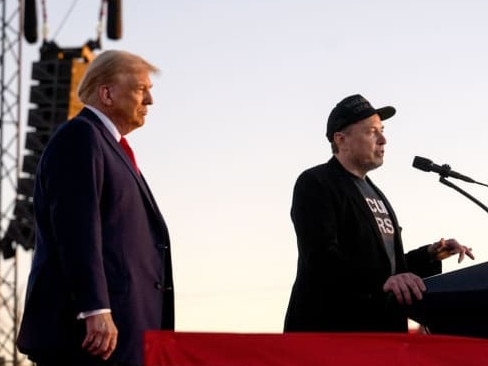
(73, 4)
(101, 14)
(45, 27)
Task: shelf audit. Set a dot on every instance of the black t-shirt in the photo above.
(383, 219)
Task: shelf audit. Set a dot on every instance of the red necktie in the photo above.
(130, 153)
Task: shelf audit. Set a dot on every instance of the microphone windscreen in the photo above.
(422, 163)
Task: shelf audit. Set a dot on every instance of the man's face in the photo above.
(131, 96)
(361, 144)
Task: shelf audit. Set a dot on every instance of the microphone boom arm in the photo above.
(443, 180)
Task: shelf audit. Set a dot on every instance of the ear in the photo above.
(338, 138)
(105, 95)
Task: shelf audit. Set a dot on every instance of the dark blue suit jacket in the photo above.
(101, 242)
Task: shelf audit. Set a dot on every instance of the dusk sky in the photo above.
(240, 109)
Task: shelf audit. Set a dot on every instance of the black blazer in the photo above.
(101, 242)
(342, 261)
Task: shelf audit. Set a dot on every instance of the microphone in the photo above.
(444, 170)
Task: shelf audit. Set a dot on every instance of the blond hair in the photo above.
(106, 67)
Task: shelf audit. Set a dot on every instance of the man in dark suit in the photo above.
(352, 271)
(101, 273)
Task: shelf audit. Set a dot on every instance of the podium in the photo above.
(455, 303)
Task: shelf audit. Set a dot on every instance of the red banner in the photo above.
(312, 349)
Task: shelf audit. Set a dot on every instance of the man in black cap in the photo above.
(352, 272)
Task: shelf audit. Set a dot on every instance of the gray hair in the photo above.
(106, 67)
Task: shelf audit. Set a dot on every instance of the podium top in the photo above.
(473, 278)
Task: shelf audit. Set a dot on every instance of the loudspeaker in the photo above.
(55, 100)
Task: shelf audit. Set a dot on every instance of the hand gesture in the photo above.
(445, 248)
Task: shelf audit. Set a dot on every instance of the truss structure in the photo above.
(10, 80)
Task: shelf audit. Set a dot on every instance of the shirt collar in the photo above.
(109, 125)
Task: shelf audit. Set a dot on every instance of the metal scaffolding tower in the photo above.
(10, 79)
(18, 19)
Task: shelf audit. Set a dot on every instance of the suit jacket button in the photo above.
(157, 286)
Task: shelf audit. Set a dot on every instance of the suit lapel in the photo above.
(90, 117)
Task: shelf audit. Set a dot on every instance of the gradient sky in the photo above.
(239, 111)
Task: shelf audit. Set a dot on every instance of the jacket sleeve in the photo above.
(71, 176)
(421, 263)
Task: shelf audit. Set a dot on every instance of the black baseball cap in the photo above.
(351, 110)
